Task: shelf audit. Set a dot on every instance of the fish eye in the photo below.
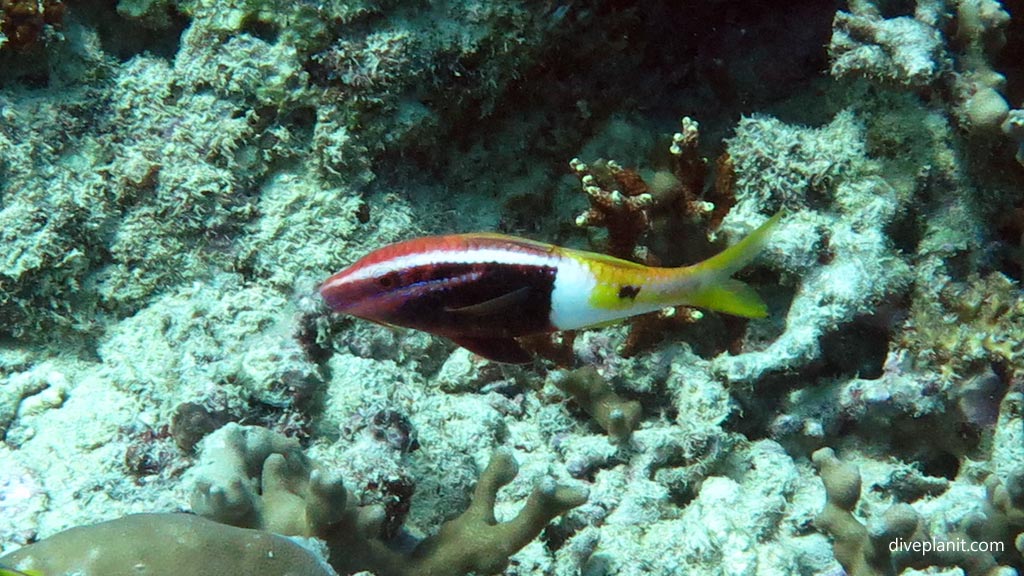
(388, 280)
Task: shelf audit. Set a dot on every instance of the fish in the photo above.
(484, 290)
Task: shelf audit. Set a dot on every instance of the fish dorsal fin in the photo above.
(494, 305)
(505, 350)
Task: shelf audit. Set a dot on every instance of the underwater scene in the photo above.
(511, 287)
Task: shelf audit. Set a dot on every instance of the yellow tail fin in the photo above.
(717, 290)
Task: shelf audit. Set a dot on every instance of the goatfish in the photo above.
(484, 290)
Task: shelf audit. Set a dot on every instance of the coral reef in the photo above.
(905, 51)
(657, 208)
(971, 326)
(254, 478)
(616, 415)
(22, 22)
(834, 240)
(903, 540)
(909, 52)
(254, 485)
(1013, 126)
(635, 208)
(164, 545)
(177, 176)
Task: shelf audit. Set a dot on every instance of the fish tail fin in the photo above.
(730, 296)
(716, 290)
(734, 258)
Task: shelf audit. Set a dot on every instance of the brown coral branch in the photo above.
(619, 202)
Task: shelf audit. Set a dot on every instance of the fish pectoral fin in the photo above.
(494, 305)
(505, 350)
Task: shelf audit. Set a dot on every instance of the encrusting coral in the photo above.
(969, 327)
(166, 545)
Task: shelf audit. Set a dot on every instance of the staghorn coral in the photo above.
(658, 207)
(620, 201)
(630, 205)
(252, 477)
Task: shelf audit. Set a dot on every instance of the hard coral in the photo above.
(901, 539)
(22, 21)
(616, 415)
(902, 51)
(619, 201)
(252, 477)
(635, 210)
(627, 205)
(166, 545)
(970, 326)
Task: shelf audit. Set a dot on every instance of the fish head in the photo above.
(366, 291)
(456, 286)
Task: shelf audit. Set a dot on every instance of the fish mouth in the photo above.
(350, 302)
(338, 299)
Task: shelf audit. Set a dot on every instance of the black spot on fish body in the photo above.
(630, 292)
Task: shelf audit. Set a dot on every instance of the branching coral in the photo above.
(254, 478)
(637, 210)
(620, 201)
(258, 486)
(903, 51)
(627, 204)
(860, 553)
(22, 21)
(909, 52)
(616, 415)
(901, 539)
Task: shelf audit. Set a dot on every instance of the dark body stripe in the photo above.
(480, 299)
